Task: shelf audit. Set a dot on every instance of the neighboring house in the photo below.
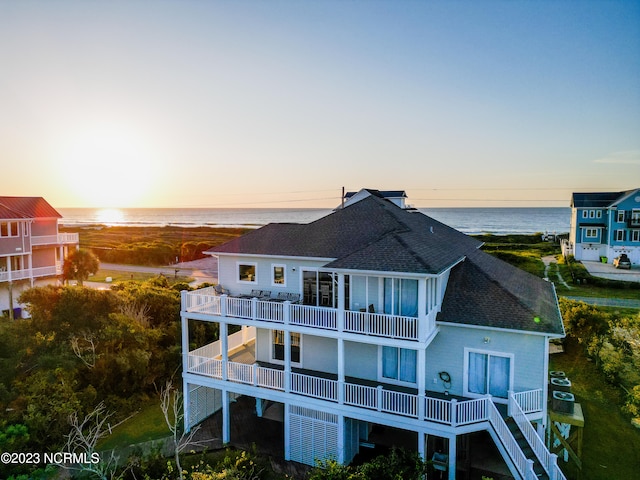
(31, 249)
(375, 316)
(605, 224)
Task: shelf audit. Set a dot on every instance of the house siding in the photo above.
(447, 352)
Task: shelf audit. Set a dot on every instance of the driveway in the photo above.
(607, 270)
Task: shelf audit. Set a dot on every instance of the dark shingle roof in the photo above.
(15, 208)
(598, 199)
(485, 291)
(371, 234)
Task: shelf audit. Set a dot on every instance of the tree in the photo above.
(79, 264)
(171, 405)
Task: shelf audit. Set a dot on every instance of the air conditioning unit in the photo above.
(560, 384)
(563, 402)
(557, 374)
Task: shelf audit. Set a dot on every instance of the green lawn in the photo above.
(611, 444)
(148, 424)
(120, 276)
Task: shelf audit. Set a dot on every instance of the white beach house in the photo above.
(373, 316)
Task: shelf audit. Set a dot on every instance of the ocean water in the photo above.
(499, 221)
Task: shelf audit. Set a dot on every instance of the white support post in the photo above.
(186, 405)
(259, 410)
(452, 458)
(422, 382)
(422, 451)
(530, 472)
(379, 397)
(226, 418)
(287, 433)
(185, 335)
(423, 310)
(341, 302)
(254, 308)
(287, 361)
(341, 378)
(340, 440)
(553, 466)
(510, 400)
(223, 305)
(224, 349)
(454, 412)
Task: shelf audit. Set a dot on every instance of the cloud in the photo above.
(631, 157)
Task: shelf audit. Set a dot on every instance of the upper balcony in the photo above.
(59, 239)
(207, 303)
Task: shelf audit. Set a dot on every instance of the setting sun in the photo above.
(106, 167)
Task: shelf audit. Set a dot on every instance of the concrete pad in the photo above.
(607, 270)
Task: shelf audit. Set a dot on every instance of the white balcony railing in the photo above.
(448, 412)
(33, 273)
(391, 326)
(59, 239)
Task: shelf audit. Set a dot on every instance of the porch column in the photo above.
(185, 334)
(224, 349)
(422, 443)
(226, 418)
(287, 433)
(341, 302)
(30, 267)
(422, 381)
(452, 458)
(423, 310)
(340, 371)
(287, 360)
(340, 440)
(186, 395)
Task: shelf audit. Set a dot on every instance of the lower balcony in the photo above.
(241, 368)
(39, 272)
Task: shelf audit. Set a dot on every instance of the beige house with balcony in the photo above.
(376, 317)
(31, 248)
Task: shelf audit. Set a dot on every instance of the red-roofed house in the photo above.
(31, 249)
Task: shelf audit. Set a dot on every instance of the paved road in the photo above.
(201, 271)
(608, 302)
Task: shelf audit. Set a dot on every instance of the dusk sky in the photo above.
(282, 103)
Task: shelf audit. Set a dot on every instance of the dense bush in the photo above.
(82, 347)
(613, 341)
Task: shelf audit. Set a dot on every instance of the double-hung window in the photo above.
(488, 372)
(399, 364)
(620, 235)
(591, 233)
(620, 216)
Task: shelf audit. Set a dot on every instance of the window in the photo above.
(278, 275)
(619, 235)
(278, 346)
(598, 213)
(592, 213)
(591, 233)
(488, 373)
(399, 364)
(620, 216)
(635, 235)
(247, 272)
(585, 214)
(401, 297)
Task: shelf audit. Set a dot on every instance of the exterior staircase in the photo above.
(526, 448)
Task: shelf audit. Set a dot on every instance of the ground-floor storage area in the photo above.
(303, 435)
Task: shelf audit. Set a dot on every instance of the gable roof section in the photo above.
(372, 234)
(17, 208)
(485, 291)
(598, 199)
(380, 193)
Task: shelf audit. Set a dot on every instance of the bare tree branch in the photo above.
(87, 352)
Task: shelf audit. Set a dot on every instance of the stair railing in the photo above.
(548, 460)
(521, 462)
